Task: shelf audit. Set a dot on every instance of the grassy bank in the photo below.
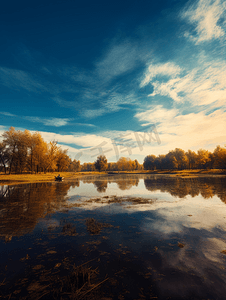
(190, 172)
(174, 172)
(11, 179)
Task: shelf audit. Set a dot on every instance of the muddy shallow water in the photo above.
(114, 237)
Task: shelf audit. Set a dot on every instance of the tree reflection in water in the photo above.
(101, 185)
(181, 187)
(123, 182)
(127, 184)
(177, 186)
(21, 206)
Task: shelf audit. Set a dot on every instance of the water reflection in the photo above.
(124, 182)
(140, 243)
(181, 187)
(21, 206)
(101, 185)
(127, 184)
(207, 187)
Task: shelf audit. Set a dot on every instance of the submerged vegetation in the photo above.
(94, 227)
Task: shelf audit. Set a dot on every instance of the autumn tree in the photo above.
(88, 167)
(62, 160)
(177, 159)
(74, 166)
(38, 151)
(125, 164)
(159, 162)
(136, 165)
(170, 161)
(101, 163)
(16, 149)
(149, 162)
(219, 155)
(25, 151)
(51, 156)
(192, 159)
(203, 158)
(112, 166)
(3, 156)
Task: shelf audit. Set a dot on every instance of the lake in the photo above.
(114, 237)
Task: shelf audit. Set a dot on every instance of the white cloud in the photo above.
(166, 69)
(205, 84)
(2, 130)
(157, 114)
(83, 140)
(206, 15)
(188, 131)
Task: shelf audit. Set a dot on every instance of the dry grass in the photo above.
(81, 283)
(190, 172)
(11, 179)
(174, 172)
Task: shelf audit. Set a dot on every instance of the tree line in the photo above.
(178, 159)
(23, 151)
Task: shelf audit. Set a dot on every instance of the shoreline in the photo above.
(13, 179)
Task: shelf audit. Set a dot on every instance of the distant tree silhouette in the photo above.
(101, 164)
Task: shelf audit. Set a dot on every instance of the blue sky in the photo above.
(90, 74)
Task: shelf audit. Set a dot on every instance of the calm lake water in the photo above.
(159, 237)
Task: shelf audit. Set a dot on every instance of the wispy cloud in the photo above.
(20, 79)
(97, 103)
(85, 124)
(93, 92)
(57, 122)
(168, 69)
(7, 114)
(120, 58)
(207, 17)
(203, 85)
